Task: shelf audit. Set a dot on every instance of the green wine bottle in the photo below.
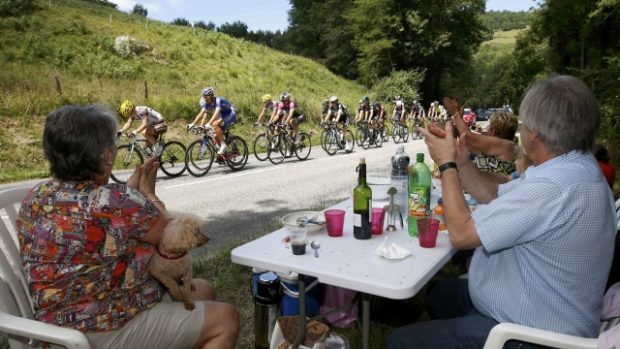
(362, 202)
(419, 194)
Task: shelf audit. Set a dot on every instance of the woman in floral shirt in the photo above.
(86, 244)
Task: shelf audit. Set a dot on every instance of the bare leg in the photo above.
(220, 326)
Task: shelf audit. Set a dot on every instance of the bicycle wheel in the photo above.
(260, 147)
(378, 138)
(396, 134)
(405, 134)
(172, 159)
(127, 159)
(303, 149)
(277, 149)
(366, 140)
(349, 141)
(331, 142)
(323, 138)
(237, 153)
(359, 136)
(385, 133)
(199, 158)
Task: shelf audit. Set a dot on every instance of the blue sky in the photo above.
(257, 14)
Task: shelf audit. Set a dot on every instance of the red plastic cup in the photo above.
(427, 231)
(335, 222)
(378, 215)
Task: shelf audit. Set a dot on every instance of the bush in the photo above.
(15, 7)
(402, 83)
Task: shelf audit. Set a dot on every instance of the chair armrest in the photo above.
(504, 332)
(70, 338)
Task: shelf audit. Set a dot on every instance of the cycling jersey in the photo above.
(226, 108)
(377, 111)
(152, 117)
(287, 107)
(340, 108)
(271, 106)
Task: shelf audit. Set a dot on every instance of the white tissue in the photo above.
(391, 251)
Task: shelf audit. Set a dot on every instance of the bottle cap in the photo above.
(363, 160)
(401, 148)
(420, 157)
(440, 201)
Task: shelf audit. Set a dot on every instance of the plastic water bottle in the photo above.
(399, 178)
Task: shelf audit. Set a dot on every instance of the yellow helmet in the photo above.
(266, 97)
(126, 108)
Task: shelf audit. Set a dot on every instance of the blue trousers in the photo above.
(459, 324)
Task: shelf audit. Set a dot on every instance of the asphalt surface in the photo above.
(250, 202)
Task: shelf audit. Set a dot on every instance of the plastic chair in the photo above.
(16, 313)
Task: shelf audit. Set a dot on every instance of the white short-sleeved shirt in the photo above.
(547, 246)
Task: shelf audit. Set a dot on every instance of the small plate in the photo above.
(290, 220)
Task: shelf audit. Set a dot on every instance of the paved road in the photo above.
(249, 202)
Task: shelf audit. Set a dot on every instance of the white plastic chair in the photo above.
(16, 319)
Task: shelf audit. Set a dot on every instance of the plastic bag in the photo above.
(335, 297)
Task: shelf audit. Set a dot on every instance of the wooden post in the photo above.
(110, 18)
(146, 90)
(58, 88)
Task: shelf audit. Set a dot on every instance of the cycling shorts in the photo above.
(228, 120)
(299, 118)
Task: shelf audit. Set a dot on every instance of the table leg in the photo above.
(365, 320)
(301, 328)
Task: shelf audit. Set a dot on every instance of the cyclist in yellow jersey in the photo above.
(151, 122)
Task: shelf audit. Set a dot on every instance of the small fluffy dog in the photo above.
(170, 263)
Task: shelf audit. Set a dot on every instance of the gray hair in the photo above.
(75, 138)
(563, 111)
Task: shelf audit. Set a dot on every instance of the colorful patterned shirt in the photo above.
(83, 262)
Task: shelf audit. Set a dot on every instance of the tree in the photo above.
(236, 29)
(181, 21)
(139, 10)
(208, 26)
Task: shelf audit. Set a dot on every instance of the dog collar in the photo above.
(169, 257)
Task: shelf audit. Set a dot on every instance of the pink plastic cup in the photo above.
(378, 215)
(427, 229)
(335, 222)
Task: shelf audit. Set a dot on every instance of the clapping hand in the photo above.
(143, 177)
(452, 105)
(443, 146)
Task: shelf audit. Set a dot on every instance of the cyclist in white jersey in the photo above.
(151, 122)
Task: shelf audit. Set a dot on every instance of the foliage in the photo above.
(74, 41)
(139, 10)
(206, 26)
(398, 83)
(181, 22)
(236, 29)
(15, 7)
(505, 20)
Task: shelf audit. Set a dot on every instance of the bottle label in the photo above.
(399, 182)
(357, 220)
(362, 231)
(418, 201)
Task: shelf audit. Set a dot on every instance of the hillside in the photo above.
(73, 41)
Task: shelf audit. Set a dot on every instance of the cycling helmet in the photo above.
(334, 99)
(285, 96)
(397, 98)
(208, 91)
(364, 99)
(266, 97)
(126, 108)
(399, 103)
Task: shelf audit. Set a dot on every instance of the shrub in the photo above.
(402, 83)
(15, 7)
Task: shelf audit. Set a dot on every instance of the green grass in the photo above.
(73, 41)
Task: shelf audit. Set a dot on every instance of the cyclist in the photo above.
(269, 106)
(363, 112)
(288, 108)
(324, 110)
(417, 117)
(377, 115)
(338, 112)
(224, 115)
(152, 123)
(437, 112)
(399, 113)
